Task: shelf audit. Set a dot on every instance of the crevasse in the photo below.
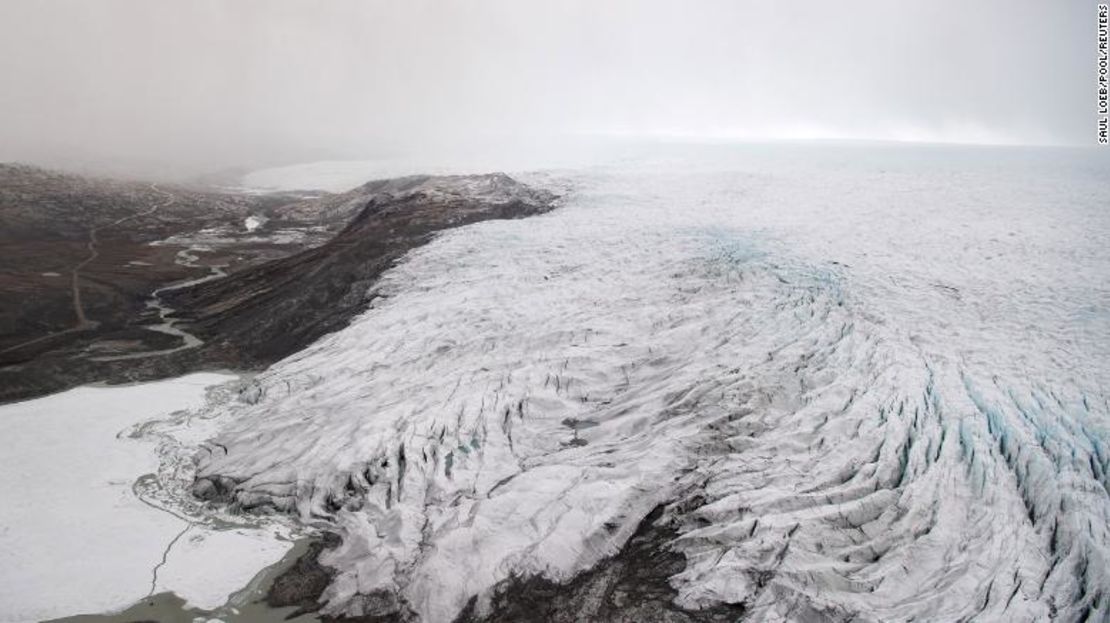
(874, 390)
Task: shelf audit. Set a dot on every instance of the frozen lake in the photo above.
(79, 533)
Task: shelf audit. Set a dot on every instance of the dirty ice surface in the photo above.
(870, 382)
(79, 532)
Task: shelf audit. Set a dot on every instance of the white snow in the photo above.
(207, 566)
(216, 238)
(341, 175)
(74, 536)
(252, 222)
(877, 376)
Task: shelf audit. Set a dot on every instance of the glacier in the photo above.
(861, 382)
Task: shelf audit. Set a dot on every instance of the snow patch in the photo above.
(252, 223)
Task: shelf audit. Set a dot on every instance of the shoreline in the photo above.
(79, 466)
(247, 605)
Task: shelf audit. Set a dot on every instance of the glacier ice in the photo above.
(869, 382)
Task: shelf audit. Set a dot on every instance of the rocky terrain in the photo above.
(100, 276)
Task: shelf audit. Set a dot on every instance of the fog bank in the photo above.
(187, 87)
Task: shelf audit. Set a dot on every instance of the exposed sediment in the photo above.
(302, 584)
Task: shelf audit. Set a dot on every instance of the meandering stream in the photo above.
(168, 325)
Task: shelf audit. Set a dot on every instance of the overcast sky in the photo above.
(203, 84)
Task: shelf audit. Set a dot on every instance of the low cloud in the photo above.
(195, 86)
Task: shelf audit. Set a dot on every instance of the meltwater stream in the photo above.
(869, 383)
(167, 325)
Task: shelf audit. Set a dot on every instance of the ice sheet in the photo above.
(872, 380)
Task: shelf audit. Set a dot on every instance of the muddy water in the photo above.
(245, 606)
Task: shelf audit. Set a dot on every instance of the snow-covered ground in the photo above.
(78, 532)
(341, 175)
